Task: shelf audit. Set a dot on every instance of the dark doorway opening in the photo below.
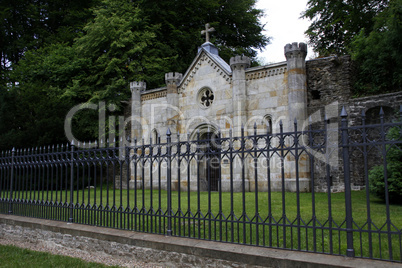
(212, 161)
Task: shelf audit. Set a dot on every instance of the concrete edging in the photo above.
(249, 255)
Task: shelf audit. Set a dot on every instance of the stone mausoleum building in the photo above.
(214, 97)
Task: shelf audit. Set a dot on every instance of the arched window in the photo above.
(155, 136)
(268, 123)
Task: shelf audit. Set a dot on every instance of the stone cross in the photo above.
(207, 31)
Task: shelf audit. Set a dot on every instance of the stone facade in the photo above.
(216, 97)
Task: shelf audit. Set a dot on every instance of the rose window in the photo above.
(206, 97)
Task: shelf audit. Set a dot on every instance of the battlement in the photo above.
(295, 50)
(173, 78)
(239, 62)
(138, 85)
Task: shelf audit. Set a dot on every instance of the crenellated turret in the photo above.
(138, 86)
(239, 64)
(172, 81)
(295, 54)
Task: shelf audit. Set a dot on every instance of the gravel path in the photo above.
(100, 257)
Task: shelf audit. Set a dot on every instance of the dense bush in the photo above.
(394, 172)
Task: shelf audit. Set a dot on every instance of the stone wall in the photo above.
(330, 82)
(51, 240)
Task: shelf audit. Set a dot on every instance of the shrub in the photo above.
(394, 172)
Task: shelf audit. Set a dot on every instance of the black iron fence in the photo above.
(255, 189)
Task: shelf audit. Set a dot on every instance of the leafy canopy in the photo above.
(57, 54)
(335, 23)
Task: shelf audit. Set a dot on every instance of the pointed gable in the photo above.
(206, 53)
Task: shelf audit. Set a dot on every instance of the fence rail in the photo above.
(256, 189)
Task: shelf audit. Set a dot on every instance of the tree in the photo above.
(238, 29)
(32, 111)
(31, 24)
(125, 41)
(335, 23)
(120, 45)
(378, 53)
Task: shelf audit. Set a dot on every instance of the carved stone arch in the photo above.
(209, 160)
(373, 114)
(203, 129)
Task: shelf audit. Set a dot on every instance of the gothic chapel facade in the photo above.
(217, 98)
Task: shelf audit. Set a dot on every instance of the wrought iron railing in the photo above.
(256, 189)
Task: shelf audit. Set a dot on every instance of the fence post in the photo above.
(350, 252)
(70, 219)
(169, 182)
(10, 200)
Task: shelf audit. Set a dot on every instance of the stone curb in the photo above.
(249, 255)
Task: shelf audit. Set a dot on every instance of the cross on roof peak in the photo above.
(207, 31)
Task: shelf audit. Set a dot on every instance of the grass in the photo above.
(288, 221)
(12, 256)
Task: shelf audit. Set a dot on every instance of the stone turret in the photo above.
(239, 64)
(295, 54)
(136, 88)
(172, 82)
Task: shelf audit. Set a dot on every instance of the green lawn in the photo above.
(12, 256)
(303, 225)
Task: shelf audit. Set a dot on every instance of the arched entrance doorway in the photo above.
(209, 168)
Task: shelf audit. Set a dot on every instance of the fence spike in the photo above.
(168, 133)
(280, 122)
(381, 111)
(343, 112)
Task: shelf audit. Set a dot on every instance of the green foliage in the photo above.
(129, 51)
(370, 31)
(238, 29)
(58, 54)
(335, 23)
(378, 53)
(31, 24)
(32, 112)
(394, 172)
